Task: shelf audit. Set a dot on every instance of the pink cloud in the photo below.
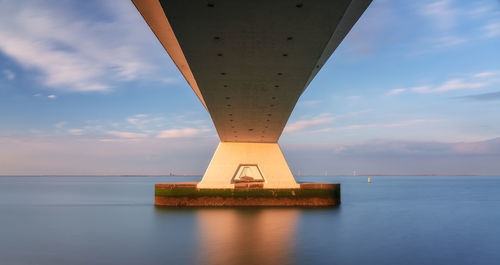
(181, 133)
(306, 124)
(128, 135)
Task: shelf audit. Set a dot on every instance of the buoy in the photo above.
(369, 180)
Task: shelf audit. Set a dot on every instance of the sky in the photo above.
(86, 88)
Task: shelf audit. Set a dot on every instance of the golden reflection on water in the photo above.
(246, 236)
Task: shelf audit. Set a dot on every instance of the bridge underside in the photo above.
(248, 62)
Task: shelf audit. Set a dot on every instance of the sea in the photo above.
(70, 220)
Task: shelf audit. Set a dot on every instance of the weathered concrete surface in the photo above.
(187, 194)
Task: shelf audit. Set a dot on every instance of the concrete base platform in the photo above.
(246, 194)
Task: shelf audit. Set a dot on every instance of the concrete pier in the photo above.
(246, 194)
(248, 62)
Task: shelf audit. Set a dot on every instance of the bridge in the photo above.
(248, 62)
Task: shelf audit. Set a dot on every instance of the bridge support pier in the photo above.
(235, 163)
(247, 174)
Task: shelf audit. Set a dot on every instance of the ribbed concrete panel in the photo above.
(251, 60)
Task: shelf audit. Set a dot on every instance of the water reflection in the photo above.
(246, 236)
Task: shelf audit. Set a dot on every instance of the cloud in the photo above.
(387, 125)
(74, 53)
(309, 123)
(482, 97)
(450, 85)
(452, 25)
(60, 155)
(146, 122)
(441, 13)
(480, 147)
(396, 91)
(52, 96)
(135, 127)
(402, 147)
(353, 98)
(181, 133)
(448, 41)
(60, 124)
(390, 156)
(76, 132)
(9, 75)
(374, 31)
(491, 30)
(83, 156)
(127, 135)
(420, 89)
(480, 9)
(484, 74)
(474, 81)
(393, 147)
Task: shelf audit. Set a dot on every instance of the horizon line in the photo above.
(201, 175)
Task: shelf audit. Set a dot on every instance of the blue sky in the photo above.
(85, 88)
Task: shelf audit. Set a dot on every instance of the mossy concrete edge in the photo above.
(187, 194)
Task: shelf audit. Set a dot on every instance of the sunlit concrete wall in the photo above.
(229, 156)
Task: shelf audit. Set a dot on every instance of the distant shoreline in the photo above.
(306, 176)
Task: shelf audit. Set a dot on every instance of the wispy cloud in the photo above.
(390, 156)
(480, 147)
(481, 9)
(146, 122)
(133, 128)
(482, 97)
(453, 23)
(74, 53)
(371, 33)
(181, 133)
(112, 155)
(448, 41)
(353, 98)
(450, 85)
(396, 91)
(302, 125)
(8, 74)
(76, 132)
(160, 156)
(441, 13)
(491, 30)
(484, 74)
(387, 125)
(398, 147)
(52, 96)
(474, 81)
(60, 124)
(128, 135)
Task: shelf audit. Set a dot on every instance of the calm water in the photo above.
(111, 220)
